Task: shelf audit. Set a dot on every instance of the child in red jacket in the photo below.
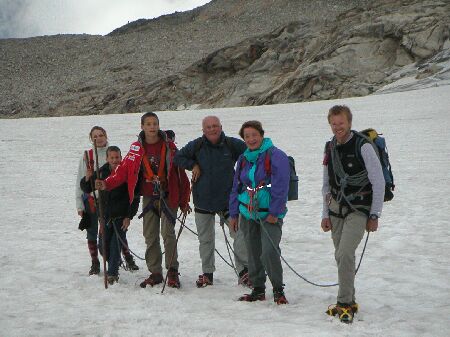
(164, 187)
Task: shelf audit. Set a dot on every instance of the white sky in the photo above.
(25, 18)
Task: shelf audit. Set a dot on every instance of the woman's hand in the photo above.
(234, 224)
(89, 174)
(271, 219)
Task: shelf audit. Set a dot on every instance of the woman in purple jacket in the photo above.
(259, 195)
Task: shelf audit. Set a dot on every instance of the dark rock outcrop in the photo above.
(353, 56)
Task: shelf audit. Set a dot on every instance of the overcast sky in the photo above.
(25, 18)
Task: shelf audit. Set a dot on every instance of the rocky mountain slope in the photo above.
(228, 53)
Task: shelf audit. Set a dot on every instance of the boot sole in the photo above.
(247, 299)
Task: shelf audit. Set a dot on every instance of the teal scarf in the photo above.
(263, 195)
(252, 156)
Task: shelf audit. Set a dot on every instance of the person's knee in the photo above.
(345, 255)
(268, 253)
(151, 240)
(206, 234)
(206, 241)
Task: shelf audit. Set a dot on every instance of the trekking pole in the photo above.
(183, 220)
(101, 219)
(227, 243)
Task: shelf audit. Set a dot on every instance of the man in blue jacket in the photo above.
(212, 158)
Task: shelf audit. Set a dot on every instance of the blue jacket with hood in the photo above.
(212, 190)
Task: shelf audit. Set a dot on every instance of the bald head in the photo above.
(212, 129)
(208, 120)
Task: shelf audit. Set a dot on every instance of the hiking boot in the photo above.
(345, 313)
(204, 280)
(131, 265)
(153, 279)
(173, 280)
(95, 268)
(244, 279)
(257, 294)
(113, 279)
(333, 311)
(279, 297)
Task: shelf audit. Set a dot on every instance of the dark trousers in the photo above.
(263, 257)
(113, 244)
(92, 230)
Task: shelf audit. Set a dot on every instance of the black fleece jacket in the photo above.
(115, 202)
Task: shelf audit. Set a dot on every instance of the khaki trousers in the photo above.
(151, 230)
(206, 236)
(346, 233)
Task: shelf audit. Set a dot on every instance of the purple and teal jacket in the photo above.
(254, 194)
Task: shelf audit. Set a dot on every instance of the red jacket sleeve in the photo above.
(118, 177)
(185, 190)
(179, 186)
(127, 171)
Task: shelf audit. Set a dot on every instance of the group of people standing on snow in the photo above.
(231, 180)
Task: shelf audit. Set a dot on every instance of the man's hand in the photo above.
(186, 209)
(126, 223)
(372, 225)
(326, 224)
(196, 172)
(80, 213)
(100, 185)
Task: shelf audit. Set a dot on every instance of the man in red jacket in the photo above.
(164, 187)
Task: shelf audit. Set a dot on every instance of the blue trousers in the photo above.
(113, 244)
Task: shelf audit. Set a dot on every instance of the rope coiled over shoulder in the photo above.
(359, 179)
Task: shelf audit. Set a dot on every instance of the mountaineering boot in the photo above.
(204, 280)
(153, 279)
(332, 308)
(345, 312)
(279, 297)
(113, 279)
(173, 280)
(243, 278)
(95, 267)
(131, 265)
(257, 294)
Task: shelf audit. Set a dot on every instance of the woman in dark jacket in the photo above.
(259, 194)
